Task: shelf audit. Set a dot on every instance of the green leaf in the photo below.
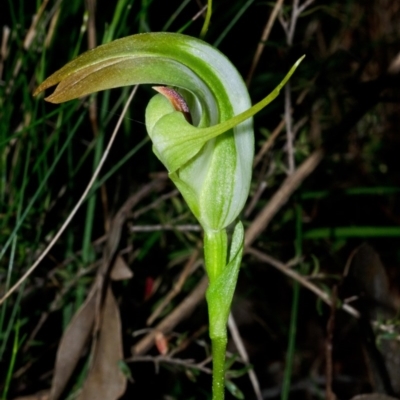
(234, 390)
(220, 291)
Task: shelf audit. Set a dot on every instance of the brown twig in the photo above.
(52, 26)
(268, 143)
(289, 129)
(4, 48)
(329, 346)
(200, 13)
(91, 9)
(290, 28)
(263, 174)
(264, 38)
(243, 353)
(31, 34)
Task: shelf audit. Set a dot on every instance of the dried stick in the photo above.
(290, 28)
(268, 143)
(243, 353)
(289, 129)
(329, 345)
(4, 49)
(264, 38)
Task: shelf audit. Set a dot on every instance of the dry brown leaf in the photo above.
(120, 270)
(370, 276)
(105, 380)
(72, 344)
(372, 283)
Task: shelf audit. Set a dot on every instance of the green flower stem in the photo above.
(215, 254)
(218, 354)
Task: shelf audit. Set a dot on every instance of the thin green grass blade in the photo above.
(345, 232)
(207, 20)
(233, 22)
(175, 14)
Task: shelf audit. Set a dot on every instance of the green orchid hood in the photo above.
(210, 160)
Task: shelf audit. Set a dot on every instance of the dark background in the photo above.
(343, 100)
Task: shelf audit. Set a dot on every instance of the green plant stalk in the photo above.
(218, 378)
(215, 255)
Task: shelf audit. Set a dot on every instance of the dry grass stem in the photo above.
(235, 334)
(269, 143)
(264, 38)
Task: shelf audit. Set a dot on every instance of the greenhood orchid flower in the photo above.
(200, 124)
